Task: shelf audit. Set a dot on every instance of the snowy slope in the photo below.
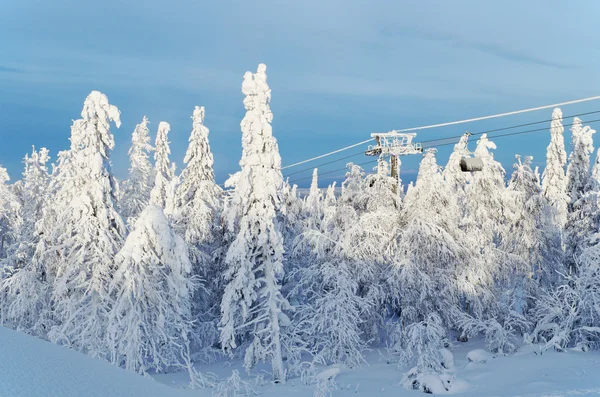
(31, 367)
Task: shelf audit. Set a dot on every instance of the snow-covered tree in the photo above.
(423, 276)
(581, 214)
(484, 227)
(453, 175)
(330, 317)
(196, 203)
(531, 236)
(82, 231)
(135, 191)
(196, 211)
(164, 172)
(150, 321)
(313, 202)
(252, 303)
(554, 183)
(578, 170)
(24, 281)
(10, 218)
(569, 315)
(330, 198)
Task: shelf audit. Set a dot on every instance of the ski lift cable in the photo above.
(444, 139)
(516, 126)
(449, 143)
(332, 171)
(327, 163)
(494, 116)
(504, 135)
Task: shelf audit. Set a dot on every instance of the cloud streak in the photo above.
(498, 50)
(8, 69)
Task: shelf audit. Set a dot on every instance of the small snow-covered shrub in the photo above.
(234, 386)
(570, 315)
(500, 336)
(325, 381)
(478, 356)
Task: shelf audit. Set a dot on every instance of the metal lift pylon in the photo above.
(393, 145)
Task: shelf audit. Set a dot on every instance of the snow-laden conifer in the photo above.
(330, 197)
(531, 235)
(196, 203)
(423, 276)
(453, 175)
(578, 170)
(82, 231)
(135, 191)
(150, 321)
(252, 303)
(10, 214)
(330, 318)
(24, 283)
(569, 315)
(313, 202)
(554, 183)
(196, 210)
(164, 172)
(582, 190)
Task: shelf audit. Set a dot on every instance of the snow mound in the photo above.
(479, 356)
(448, 359)
(33, 367)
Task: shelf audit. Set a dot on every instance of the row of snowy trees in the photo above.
(162, 270)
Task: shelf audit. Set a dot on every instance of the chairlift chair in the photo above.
(470, 164)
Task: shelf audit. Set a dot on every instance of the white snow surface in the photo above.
(523, 374)
(31, 367)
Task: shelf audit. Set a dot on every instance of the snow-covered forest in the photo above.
(167, 271)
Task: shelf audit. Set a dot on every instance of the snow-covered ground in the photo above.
(524, 374)
(31, 367)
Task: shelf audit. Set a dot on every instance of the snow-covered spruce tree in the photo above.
(331, 314)
(291, 214)
(330, 199)
(584, 220)
(423, 276)
(578, 173)
(150, 321)
(554, 183)
(578, 170)
(164, 172)
(455, 178)
(135, 190)
(483, 226)
(81, 232)
(252, 303)
(196, 212)
(423, 281)
(531, 236)
(10, 215)
(491, 271)
(24, 282)
(314, 201)
(570, 314)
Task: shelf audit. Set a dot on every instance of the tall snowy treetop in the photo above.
(4, 175)
(96, 109)
(556, 126)
(140, 140)
(161, 156)
(257, 133)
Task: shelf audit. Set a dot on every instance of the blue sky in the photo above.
(339, 70)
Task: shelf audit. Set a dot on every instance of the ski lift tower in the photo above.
(393, 145)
